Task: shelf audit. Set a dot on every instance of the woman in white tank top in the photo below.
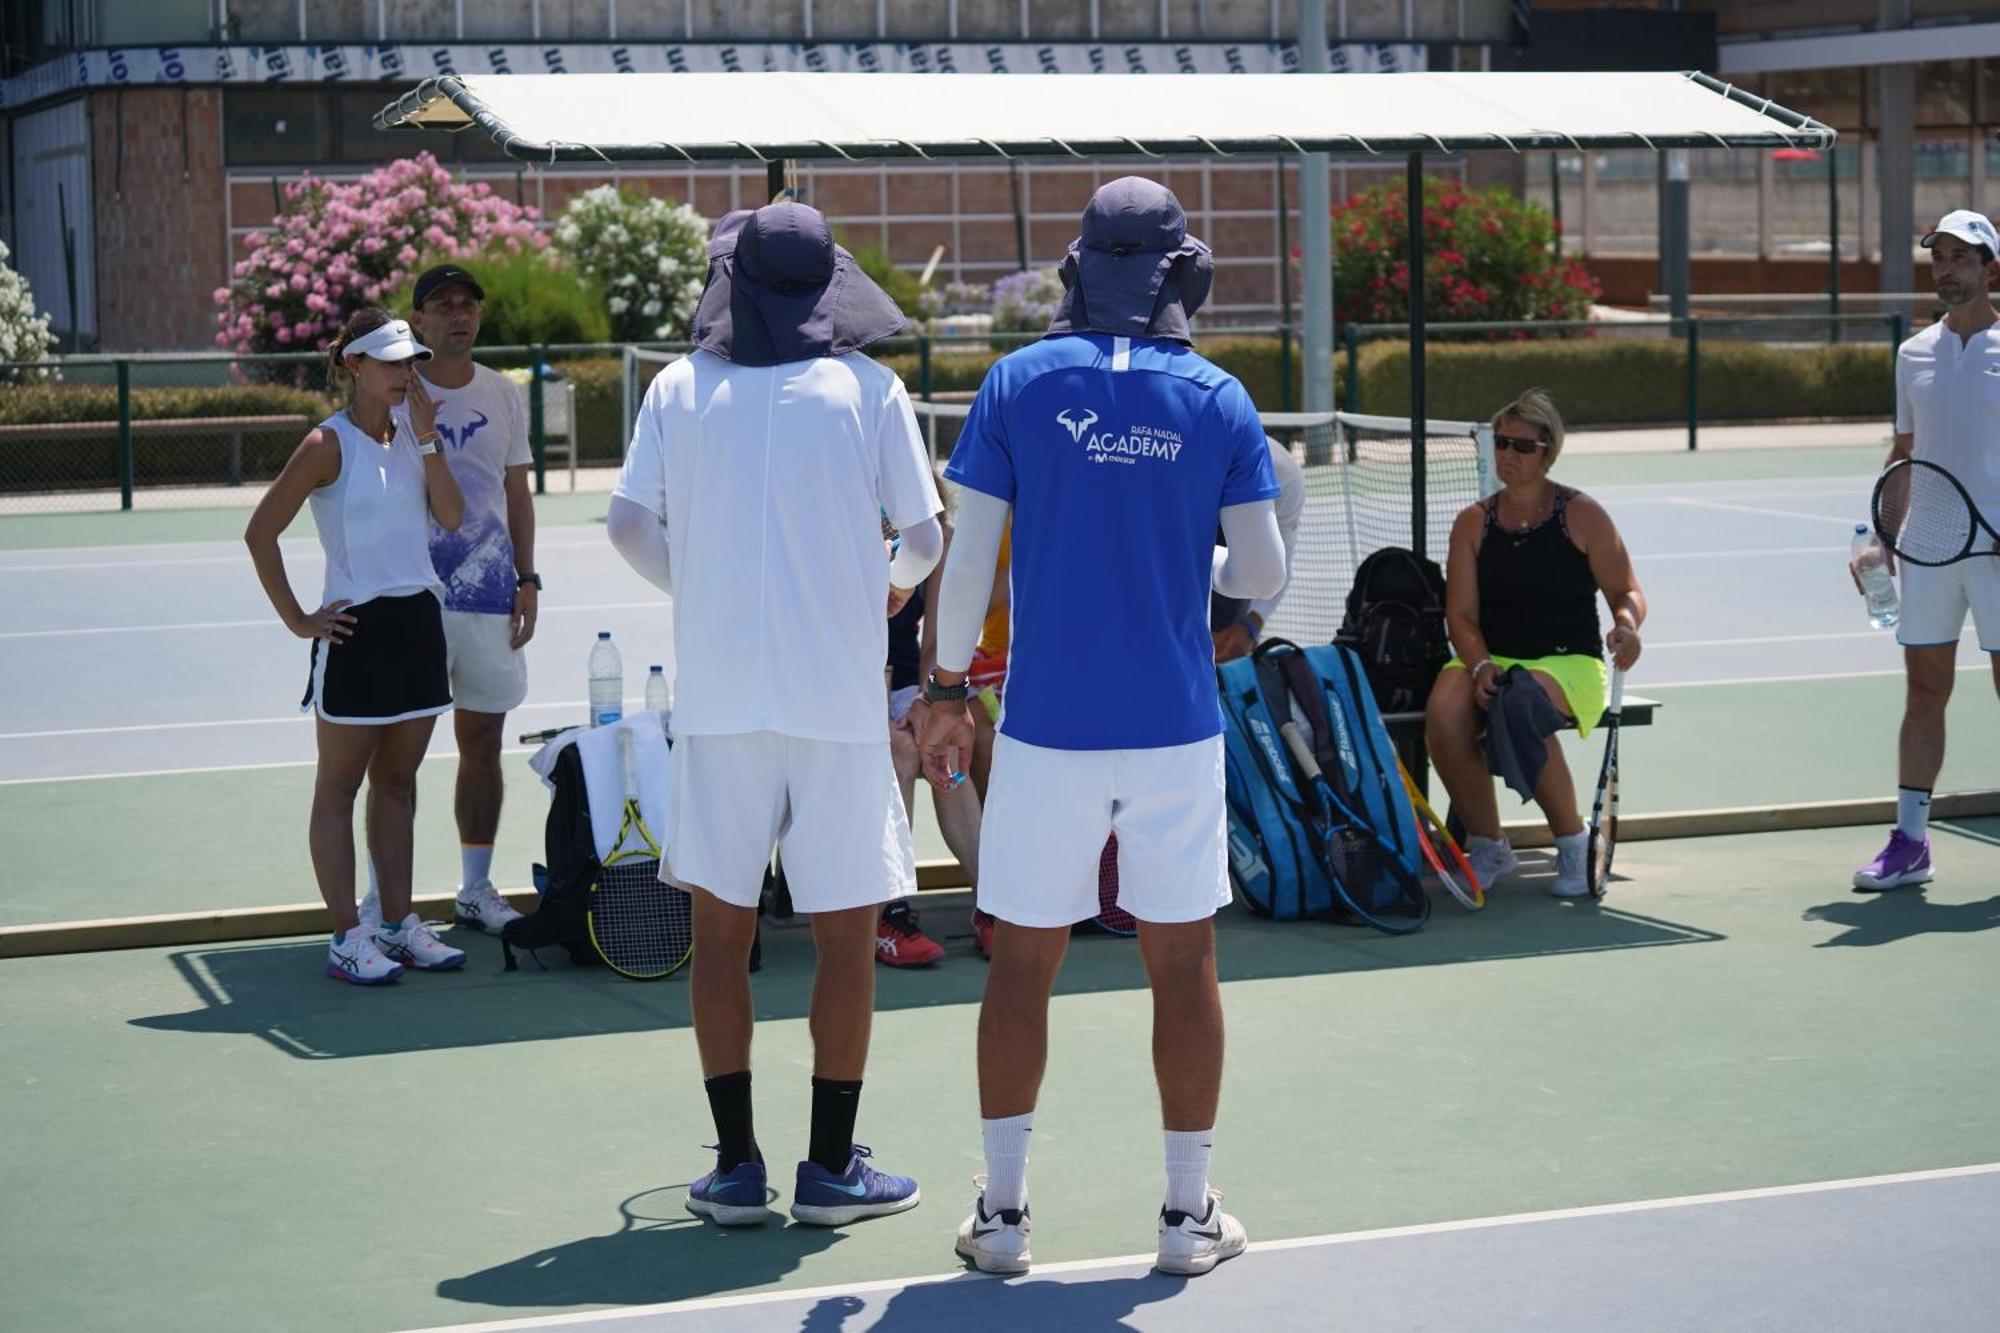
(378, 677)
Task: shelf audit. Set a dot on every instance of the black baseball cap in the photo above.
(440, 275)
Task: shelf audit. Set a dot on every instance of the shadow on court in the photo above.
(1885, 918)
(276, 991)
(973, 1303)
(659, 1253)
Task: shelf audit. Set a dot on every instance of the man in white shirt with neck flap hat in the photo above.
(1118, 452)
(760, 470)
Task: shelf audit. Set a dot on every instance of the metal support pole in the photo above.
(1285, 393)
(1353, 340)
(1674, 238)
(538, 440)
(125, 468)
(1833, 242)
(1285, 366)
(1693, 379)
(1316, 245)
(1419, 516)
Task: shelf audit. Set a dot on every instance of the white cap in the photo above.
(394, 341)
(1970, 227)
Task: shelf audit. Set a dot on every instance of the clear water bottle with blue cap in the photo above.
(656, 690)
(607, 681)
(1878, 585)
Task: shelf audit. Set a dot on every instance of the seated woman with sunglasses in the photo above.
(1522, 579)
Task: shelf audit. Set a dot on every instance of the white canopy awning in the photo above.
(766, 116)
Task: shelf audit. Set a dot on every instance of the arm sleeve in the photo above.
(1291, 508)
(976, 528)
(640, 536)
(1253, 566)
(917, 554)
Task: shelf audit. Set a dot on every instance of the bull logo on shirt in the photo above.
(1076, 425)
(462, 436)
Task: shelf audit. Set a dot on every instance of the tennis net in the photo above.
(1361, 491)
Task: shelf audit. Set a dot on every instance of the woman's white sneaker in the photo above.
(355, 959)
(1492, 859)
(481, 907)
(1572, 877)
(1191, 1246)
(995, 1242)
(413, 944)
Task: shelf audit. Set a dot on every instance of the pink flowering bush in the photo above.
(337, 246)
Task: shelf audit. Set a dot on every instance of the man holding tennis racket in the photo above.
(1118, 451)
(1948, 416)
(760, 470)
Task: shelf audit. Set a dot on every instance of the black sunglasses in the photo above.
(1520, 444)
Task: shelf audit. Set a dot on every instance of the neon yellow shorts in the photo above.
(1581, 678)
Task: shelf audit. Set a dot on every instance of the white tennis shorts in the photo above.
(488, 675)
(1935, 602)
(831, 807)
(1049, 811)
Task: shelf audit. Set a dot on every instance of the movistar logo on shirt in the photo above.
(1130, 446)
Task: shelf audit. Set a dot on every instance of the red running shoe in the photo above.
(982, 933)
(898, 941)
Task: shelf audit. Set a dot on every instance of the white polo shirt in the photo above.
(772, 480)
(1948, 397)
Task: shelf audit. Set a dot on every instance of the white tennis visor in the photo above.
(390, 342)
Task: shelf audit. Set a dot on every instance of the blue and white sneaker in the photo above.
(823, 1199)
(356, 960)
(736, 1198)
(414, 944)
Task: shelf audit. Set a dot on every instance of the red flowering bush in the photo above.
(338, 246)
(1488, 255)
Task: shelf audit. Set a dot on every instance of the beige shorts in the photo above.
(488, 674)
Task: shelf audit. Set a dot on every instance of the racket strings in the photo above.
(640, 925)
(1924, 516)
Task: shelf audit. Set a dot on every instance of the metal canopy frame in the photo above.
(449, 103)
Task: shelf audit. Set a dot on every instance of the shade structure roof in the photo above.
(783, 115)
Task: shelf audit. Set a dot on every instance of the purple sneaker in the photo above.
(823, 1199)
(731, 1199)
(1903, 862)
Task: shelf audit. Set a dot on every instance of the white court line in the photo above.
(1782, 638)
(296, 718)
(1684, 502)
(1654, 557)
(211, 768)
(815, 1294)
(271, 622)
(1652, 685)
(306, 550)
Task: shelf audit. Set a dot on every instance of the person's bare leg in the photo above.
(344, 753)
(392, 810)
(1187, 1020)
(1555, 791)
(843, 998)
(1928, 677)
(958, 820)
(1452, 723)
(476, 803)
(1014, 1016)
(719, 984)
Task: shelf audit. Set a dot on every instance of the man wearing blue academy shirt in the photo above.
(1117, 451)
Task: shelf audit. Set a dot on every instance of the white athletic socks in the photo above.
(1007, 1160)
(1913, 812)
(475, 863)
(1187, 1169)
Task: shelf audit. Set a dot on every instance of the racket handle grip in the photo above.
(1295, 740)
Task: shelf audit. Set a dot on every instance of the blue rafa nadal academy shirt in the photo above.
(1118, 455)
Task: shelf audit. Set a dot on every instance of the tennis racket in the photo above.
(1355, 854)
(1604, 807)
(1111, 918)
(642, 928)
(1447, 859)
(1926, 516)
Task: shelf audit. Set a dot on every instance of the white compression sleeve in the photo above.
(1253, 565)
(917, 553)
(968, 575)
(640, 536)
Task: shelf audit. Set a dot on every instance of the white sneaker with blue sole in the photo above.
(353, 958)
(414, 944)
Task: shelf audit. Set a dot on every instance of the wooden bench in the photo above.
(235, 428)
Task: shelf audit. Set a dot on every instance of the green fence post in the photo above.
(924, 365)
(1284, 367)
(1895, 332)
(1352, 336)
(538, 439)
(125, 468)
(1693, 379)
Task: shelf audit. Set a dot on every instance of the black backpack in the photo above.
(565, 881)
(1395, 624)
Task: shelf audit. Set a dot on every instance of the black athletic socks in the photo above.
(835, 1103)
(729, 1103)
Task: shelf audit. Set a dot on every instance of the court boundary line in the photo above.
(1326, 1241)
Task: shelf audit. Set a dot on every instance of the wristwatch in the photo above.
(525, 579)
(427, 444)
(936, 692)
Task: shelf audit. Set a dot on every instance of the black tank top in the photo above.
(1537, 597)
(905, 646)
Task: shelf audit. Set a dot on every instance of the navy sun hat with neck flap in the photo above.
(1134, 271)
(780, 290)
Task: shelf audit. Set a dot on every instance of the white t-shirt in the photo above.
(485, 432)
(1948, 398)
(772, 481)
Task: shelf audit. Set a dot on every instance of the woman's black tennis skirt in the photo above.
(390, 669)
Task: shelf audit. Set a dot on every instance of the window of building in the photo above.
(269, 127)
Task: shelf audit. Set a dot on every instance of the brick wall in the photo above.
(161, 238)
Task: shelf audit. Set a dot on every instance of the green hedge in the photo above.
(30, 404)
(193, 457)
(1629, 381)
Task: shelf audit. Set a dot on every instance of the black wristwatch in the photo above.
(525, 579)
(936, 692)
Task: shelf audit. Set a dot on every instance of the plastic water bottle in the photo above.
(656, 690)
(1878, 586)
(607, 681)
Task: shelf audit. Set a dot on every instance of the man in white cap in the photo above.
(1947, 413)
(1118, 453)
(761, 468)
